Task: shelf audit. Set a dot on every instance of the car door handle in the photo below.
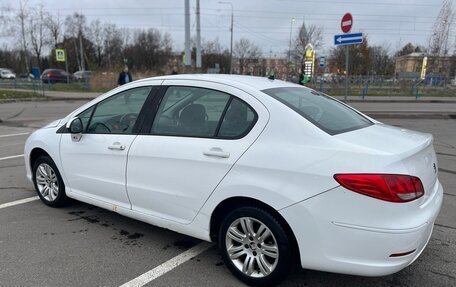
(217, 152)
(116, 146)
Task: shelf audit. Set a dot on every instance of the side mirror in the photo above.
(75, 128)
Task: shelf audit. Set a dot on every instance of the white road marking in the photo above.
(11, 156)
(13, 135)
(20, 201)
(168, 265)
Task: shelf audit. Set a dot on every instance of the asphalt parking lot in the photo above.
(82, 245)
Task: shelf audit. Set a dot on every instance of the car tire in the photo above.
(48, 182)
(255, 247)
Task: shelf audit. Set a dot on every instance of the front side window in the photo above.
(85, 117)
(324, 112)
(190, 111)
(117, 114)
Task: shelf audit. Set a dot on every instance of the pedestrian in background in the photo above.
(124, 77)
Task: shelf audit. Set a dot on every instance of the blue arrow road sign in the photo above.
(348, 39)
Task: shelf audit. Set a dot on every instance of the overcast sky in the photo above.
(266, 22)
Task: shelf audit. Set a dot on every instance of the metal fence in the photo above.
(39, 88)
(363, 86)
(331, 84)
(34, 86)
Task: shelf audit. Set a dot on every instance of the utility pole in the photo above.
(289, 49)
(66, 67)
(82, 51)
(188, 55)
(198, 36)
(22, 18)
(231, 43)
(346, 73)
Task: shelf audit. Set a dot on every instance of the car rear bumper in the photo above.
(327, 243)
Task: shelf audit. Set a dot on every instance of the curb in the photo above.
(14, 100)
(69, 99)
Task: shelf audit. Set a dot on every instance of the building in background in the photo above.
(409, 67)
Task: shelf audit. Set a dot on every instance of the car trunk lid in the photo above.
(410, 152)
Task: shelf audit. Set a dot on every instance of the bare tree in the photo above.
(438, 42)
(247, 53)
(150, 49)
(97, 38)
(5, 11)
(307, 34)
(75, 25)
(113, 45)
(55, 28)
(212, 47)
(126, 36)
(381, 61)
(37, 30)
(17, 26)
(214, 54)
(408, 49)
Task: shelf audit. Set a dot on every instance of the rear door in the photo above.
(199, 131)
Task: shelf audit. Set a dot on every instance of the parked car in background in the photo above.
(7, 74)
(327, 77)
(81, 76)
(56, 76)
(27, 76)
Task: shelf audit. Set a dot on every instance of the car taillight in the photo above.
(389, 187)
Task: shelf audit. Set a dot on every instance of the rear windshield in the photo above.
(321, 110)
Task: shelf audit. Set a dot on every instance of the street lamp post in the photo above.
(289, 48)
(231, 43)
(289, 45)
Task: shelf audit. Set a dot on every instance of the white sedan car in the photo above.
(275, 173)
(7, 74)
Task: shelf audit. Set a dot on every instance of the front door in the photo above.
(95, 166)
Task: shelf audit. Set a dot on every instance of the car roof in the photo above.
(258, 83)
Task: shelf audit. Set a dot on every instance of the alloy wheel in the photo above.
(252, 247)
(46, 182)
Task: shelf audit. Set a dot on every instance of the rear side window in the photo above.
(321, 110)
(238, 120)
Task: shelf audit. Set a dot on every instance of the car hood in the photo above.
(53, 124)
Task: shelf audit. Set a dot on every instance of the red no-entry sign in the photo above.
(346, 23)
